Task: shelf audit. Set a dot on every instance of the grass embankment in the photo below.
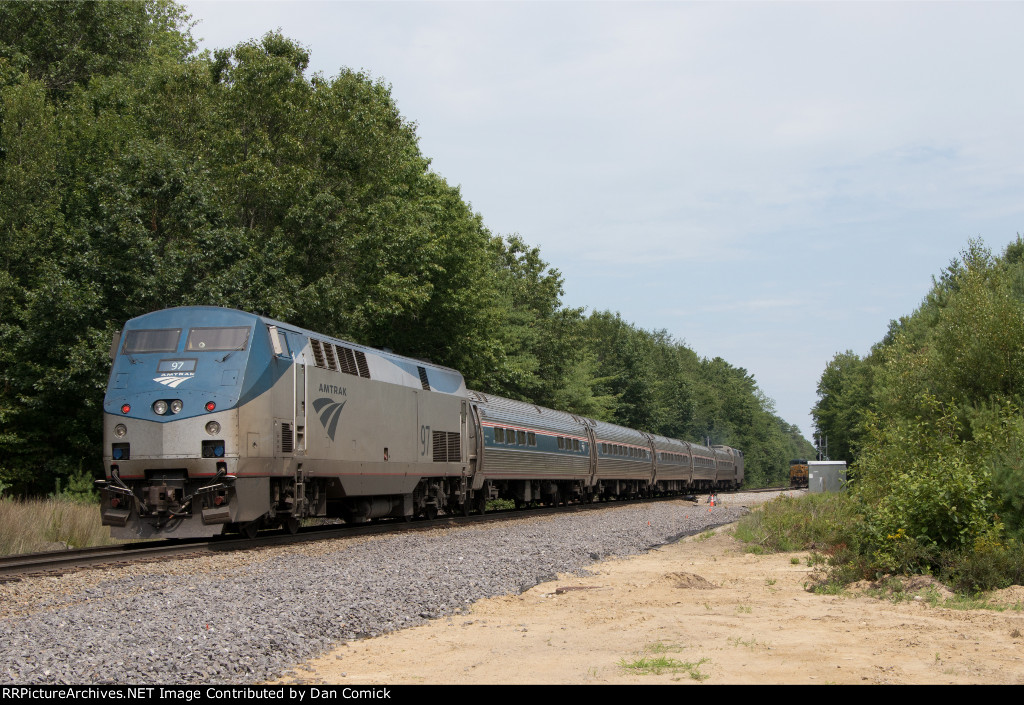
(34, 525)
(811, 522)
(833, 528)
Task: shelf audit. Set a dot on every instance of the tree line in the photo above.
(931, 418)
(137, 174)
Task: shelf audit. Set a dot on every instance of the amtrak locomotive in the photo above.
(219, 420)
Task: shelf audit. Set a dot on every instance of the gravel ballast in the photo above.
(249, 616)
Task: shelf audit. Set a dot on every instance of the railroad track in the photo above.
(15, 567)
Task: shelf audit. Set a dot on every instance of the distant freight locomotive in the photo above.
(218, 420)
(798, 473)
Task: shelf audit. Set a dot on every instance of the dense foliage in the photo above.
(137, 175)
(932, 418)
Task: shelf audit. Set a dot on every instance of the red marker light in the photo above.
(210, 406)
(125, 408)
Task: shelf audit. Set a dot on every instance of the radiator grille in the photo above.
(447, 447)
(364, 370)
(338, 357)
(347, 359)
(287, 438)
(329, 354)
(318, 352)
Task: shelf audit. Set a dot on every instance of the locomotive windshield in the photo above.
(149, 341)
(203, 339)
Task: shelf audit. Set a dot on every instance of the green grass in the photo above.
(665, 664)
(500, 505)
(966, 602)
(656, 665)
(796, 524)
(749, 643)
(34, 525)
(829, 588)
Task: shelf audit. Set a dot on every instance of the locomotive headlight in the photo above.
(176, 406)
(213, 428)
(120, 430)
(160, 407)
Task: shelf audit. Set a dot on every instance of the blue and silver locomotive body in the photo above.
(217, 419)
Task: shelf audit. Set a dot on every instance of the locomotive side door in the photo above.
(300, 407)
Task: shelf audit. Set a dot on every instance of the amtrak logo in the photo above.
(172, 381)
(330, 412)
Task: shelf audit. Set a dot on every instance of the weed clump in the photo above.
(660, 663)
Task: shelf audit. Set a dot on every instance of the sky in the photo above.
(769, 182)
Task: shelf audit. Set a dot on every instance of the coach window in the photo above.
(576, 444)
(531, 438)
(521, 437)
(499, 435)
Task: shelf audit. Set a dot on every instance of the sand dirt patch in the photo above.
(708, 613)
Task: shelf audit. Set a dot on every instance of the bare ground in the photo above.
(698, 611)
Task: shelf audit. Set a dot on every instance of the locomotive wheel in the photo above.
(430, 512)
(481, 503)
(292, 524)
